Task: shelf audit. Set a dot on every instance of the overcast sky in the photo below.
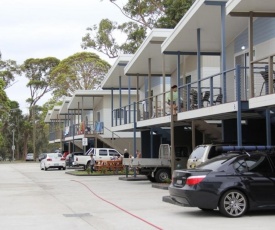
(44, 28)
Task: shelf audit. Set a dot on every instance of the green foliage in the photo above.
(103, 40)
(174, 11)
(135, 36)
(144, 15)
(81, 71)
(8, 71)
(4, 100)
(38, 72)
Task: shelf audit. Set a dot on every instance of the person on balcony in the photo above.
(173, 103)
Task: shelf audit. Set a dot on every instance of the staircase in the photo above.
(210, 130)
(117, 144)
(164, 133)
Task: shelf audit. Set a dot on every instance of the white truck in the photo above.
(98, 153)
(159, 169)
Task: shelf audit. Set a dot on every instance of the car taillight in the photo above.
(63, 158)
(49, 159)
(192, 180)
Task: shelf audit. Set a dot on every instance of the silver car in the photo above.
(30, 157)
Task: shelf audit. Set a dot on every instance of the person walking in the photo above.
(92, 163)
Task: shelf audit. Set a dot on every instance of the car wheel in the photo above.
(233, 203)
(163, 175)
(59, 168)
(64, 168)
(152, 179)
(45, 168)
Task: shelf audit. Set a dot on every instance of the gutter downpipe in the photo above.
(239, 106)
(199, 65)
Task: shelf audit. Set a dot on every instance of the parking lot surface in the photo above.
(34, 199)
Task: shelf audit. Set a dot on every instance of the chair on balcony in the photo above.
(265, 77)
(194, 99)
(205, 98)
(218, 99)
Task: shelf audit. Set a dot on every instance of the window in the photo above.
(188, 79)
(119, 113)
(258, 163)
(113, 153)
(103, 152)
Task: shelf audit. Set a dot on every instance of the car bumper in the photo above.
(55, 165)
(190, 197)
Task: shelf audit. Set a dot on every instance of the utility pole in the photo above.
(13, 147)
(34, 131)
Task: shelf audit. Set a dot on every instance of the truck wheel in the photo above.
(163, 175)
(152, 179)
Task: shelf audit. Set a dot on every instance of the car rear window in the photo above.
(215, 163)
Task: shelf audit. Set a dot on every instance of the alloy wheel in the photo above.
(233, 204)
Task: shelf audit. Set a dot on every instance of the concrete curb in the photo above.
(133, 178)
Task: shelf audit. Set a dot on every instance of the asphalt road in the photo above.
(31, 199)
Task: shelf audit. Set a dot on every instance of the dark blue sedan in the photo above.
(234, 183)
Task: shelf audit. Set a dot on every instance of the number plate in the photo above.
(56, 164)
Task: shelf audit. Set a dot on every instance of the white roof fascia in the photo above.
(116, 70)
(181, 24)
(155, 35)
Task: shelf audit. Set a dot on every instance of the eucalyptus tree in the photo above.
(9, 70)
(81, 71)
(37, 71)
(143, 16)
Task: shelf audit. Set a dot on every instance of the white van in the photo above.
(202, 153)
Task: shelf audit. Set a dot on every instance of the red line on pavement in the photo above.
(118, 206)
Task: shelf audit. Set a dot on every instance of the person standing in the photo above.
(92, 163)
(126, 155)
(174, 103)
(138, 154)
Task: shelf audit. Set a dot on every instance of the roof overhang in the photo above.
(205, 16)
(88, 99)
(150, 49)
(111, 80)
(204, 19)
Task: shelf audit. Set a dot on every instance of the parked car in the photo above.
(41, 156)
(98, 153)
(30, 157)
(70, 158)
(53, 160)
(201, 154)
(234, 183)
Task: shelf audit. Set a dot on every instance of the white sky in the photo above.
(44, 28)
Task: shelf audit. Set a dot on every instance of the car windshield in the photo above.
(198, 152)
(215, 163)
